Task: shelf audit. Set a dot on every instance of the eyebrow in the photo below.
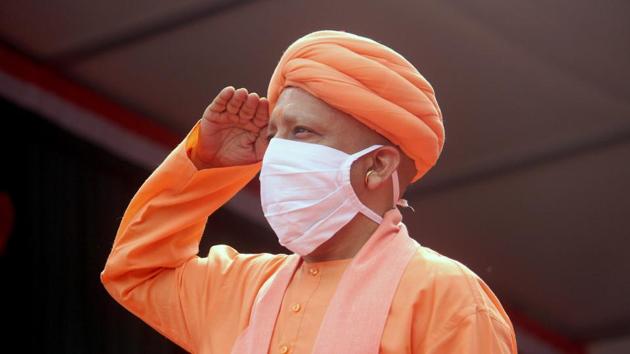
(292, 117)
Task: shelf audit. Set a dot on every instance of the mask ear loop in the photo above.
(397, 200)
(362, 207)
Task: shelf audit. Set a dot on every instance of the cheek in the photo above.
(357, 176)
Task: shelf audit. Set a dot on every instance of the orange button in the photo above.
(284, 349)
(296, 307)
(313, 271)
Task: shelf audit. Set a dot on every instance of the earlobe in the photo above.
(367, 177)
(373, 179)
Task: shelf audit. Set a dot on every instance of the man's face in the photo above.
(300, 116)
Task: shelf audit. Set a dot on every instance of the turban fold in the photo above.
(370, 82)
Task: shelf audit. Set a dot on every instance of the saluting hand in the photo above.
(232, 130)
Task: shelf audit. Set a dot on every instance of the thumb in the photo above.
(260, 146)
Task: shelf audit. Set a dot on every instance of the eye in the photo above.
(300, 131)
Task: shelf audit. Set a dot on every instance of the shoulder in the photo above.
(451, 289)
(228, 260)
(436, 269)
(241, 275)
(445, 273)
(440, 268)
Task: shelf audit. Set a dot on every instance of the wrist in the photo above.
(199, 163)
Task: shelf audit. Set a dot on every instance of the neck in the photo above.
(347, 241)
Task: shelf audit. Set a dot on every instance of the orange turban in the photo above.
(370, 82)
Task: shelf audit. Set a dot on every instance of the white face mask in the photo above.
(306, 193)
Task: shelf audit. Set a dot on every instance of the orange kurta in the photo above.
(204, 303)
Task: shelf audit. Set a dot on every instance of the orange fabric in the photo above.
(310, 291)
(204, 303)
(361, 302)
(372, 83)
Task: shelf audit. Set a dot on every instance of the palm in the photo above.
(232, 129)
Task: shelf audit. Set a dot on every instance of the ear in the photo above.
(384, 162)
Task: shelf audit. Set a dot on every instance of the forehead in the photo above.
(295, 102)
(296, 106)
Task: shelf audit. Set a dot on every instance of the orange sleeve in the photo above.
(477, 331)
(153, 269)
(460, 313)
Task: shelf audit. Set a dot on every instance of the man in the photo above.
(352, 124)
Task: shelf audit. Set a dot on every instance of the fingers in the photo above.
(237, 100)
(220, 102)
(249, 107)
(242, 106)
(261, 118)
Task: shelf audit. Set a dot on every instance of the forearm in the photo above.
(163, 224)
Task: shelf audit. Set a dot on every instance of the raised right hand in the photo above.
(232, 130)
